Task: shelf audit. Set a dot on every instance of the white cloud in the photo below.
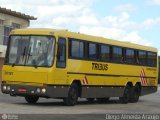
(154, 2)
(117, 21)
(54, 12)
(134, 37)
(150, 22)
(115, 33)
(125, 8)
(42, 8)
(87, 20)
(120, 28)
(124, 21)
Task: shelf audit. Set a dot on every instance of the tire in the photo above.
(126, 95)
(90, 100)
(135, 94)
(31, 99)
(102, 100)
(72, 97)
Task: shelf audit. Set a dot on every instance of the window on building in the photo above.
(130, 56)
(7, 31)
(117, 54)
(104, 52)
(76, 49)
(151, 59)
(92, 51)
(16, 26)
(1, 34)
(142, 57)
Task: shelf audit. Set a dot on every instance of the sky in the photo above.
(136, 21)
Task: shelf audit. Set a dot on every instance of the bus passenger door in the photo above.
(61, 72)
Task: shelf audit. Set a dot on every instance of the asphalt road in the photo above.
(56, 109)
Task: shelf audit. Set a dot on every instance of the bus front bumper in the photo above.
(55, 91)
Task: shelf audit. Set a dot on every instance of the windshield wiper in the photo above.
(29, 54)
(34, 61)
(24, 51)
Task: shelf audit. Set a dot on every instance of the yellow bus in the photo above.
(52, 63)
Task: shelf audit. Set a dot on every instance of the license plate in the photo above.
(22, 90)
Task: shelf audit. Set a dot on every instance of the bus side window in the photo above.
(61, 53)
(151, 59)
(130, 56)
(124, 55)
(104, 51)
(142, 57)
(136, 58)
(117, 54)
(92, 51)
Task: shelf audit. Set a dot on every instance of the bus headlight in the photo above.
(8, 88)
(38, 90)
(43, 90)
(4, 87)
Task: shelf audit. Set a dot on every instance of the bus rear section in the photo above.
(60, 64)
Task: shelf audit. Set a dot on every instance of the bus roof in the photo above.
(66, 33)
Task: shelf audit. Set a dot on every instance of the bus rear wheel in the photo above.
(135, 94)
(72, 97)
(126, 95)
(31, 99)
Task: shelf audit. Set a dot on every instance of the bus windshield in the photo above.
(30, 50)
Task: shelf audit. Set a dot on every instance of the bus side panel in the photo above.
(148, 90)
(110, 82)
(97, 91)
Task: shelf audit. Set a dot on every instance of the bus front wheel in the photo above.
(126, 95)
(72, 97)
(31, 99)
